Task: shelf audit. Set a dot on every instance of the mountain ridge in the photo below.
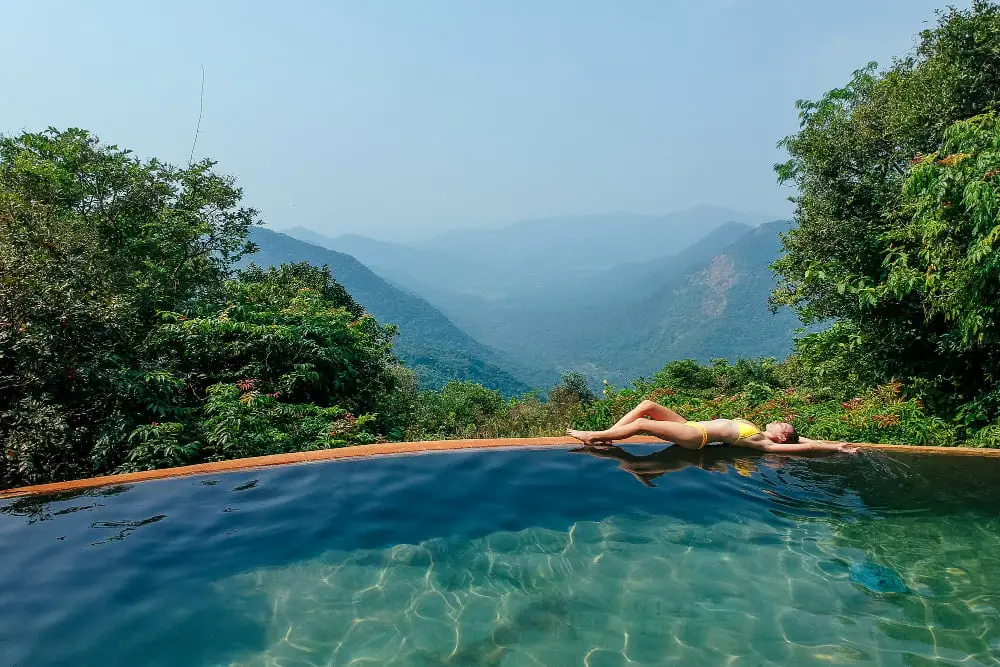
(428, 341)
(549, 255)
(705, 299)
(722, 305)
(678, 306)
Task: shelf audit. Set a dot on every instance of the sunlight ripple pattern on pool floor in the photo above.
(644, 590)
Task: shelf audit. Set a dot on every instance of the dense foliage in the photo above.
(945, 256)
(126, 343)
(93, 244)
(893, 184)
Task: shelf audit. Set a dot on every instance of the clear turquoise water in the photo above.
(544, 557)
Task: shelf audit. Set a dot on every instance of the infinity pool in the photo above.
(516, 557)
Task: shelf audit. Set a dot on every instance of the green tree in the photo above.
(275, 364)
(849, 162)
(279, 329)
(456, 410)
(573, 389)
(286, 279)
(93, 243)
(945, 257)
(685, 374)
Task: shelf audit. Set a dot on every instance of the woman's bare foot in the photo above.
(588, 437)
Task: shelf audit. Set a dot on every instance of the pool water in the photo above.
(551, 557)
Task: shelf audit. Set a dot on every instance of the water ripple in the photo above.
(618, 556)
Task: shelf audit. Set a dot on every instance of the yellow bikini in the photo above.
(704, 432)
(745, 430)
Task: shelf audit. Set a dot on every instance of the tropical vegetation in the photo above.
(135, 331)
(897, 221)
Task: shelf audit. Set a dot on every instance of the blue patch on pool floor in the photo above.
(877, 578)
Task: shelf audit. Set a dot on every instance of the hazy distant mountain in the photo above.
(536, 323)
(640, 278)
(404, 264)
(715, 309)
(601, 240)
(709, 300)
(428, 341)
(306, 234)
(555, 293)
(550, 257)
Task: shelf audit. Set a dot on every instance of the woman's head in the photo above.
(782, 432)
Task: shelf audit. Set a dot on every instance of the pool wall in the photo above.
(386, 449)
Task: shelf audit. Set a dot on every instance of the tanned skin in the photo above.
(650, 418)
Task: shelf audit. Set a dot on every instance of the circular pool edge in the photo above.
(389, 449)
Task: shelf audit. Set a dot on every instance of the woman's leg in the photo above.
(650, 410)
(671, 431)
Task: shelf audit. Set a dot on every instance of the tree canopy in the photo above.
(864, 188)
(127, 342)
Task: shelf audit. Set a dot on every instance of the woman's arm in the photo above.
(803, 446)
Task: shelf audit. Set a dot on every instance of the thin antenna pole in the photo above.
(201, 110)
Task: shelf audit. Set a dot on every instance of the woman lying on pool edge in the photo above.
(654, 419)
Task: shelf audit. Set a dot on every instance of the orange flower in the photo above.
(953, 159)
(248, 384)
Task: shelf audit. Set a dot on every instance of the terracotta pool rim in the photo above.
(388, 449)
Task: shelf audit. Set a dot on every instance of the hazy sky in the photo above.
(410, 116)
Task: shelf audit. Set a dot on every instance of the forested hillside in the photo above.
(707, 301)
(428, 342)
(715, 309)
(611, 320)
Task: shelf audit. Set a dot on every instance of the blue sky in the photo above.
(398, 119)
